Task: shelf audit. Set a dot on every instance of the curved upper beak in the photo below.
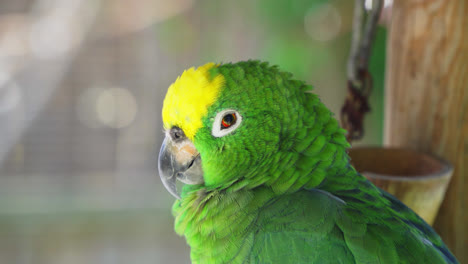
(179, 161)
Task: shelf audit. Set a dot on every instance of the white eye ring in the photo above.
(218, 129)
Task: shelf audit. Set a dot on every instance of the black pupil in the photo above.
(229, 120)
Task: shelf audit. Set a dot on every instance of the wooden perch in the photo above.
(426, 97)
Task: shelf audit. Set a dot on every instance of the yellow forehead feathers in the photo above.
(188, 98)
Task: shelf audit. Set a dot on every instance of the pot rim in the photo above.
(445, 171)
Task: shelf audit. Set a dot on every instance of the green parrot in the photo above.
(267, 177)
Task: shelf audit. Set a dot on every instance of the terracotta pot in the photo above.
(417, 179)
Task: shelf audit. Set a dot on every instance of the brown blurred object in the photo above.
(359, 79)
(355, 107)
(124, 17)
(417, 179)
(427, 98)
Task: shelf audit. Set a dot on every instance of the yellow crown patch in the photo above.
(188, 98)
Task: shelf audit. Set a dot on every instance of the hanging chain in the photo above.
(359, 85)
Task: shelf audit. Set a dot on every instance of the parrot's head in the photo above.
(241, 125)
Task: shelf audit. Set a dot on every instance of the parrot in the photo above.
(261, 174)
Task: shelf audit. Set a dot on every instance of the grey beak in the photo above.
(179, 161)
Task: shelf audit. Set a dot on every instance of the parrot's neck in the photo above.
(218, 225)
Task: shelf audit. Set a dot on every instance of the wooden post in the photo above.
(426, 105)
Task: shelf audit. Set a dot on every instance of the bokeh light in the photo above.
(116, 107)
(323, 23)
(50, 37)
(100, 106)
(60, 26)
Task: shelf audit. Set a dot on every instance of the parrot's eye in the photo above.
(225, 122)
(176, 133)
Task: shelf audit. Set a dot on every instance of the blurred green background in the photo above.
(81, 88)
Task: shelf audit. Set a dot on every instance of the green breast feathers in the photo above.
(267, 178)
